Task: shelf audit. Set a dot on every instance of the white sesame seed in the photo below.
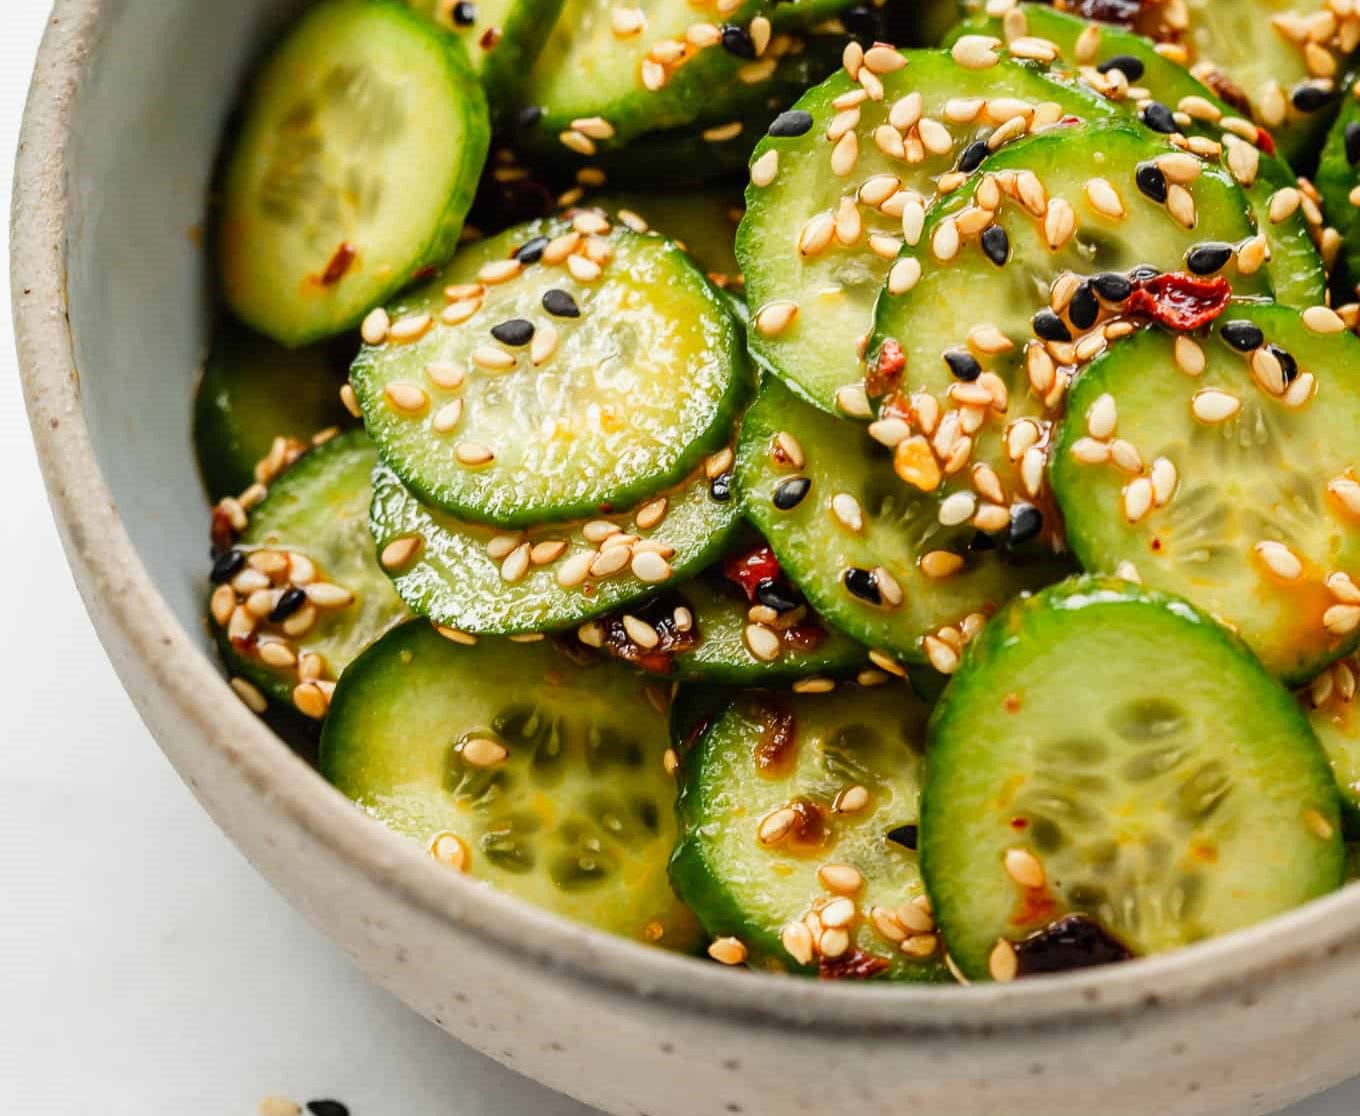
(957, 508)
(1164, 479)
(401, 552)
(323, 594)
(1343, 588)
(650, 567)
(775, 317)
(310, 700)
(1341, 619)
(976, 52)
(375, 326)
(814, 685)
(775, 827)
(1181, 205)
(719, 463)
(838, 913)
(1189, 356)
(516, 564)
(1091, 451)
(1060, 223)
(582, 269)
(942, 657)
(500, 271)
(764, 169)
(1300, 391)
(652, 513)
(945, 242)
(886, 925)
(763, 643)
(279, 1106)
(1284, 203)
(852, 400)
(544, 344)
(501, 545)
(445, 375)
(1024, 868)
(1102, 417)
(1125, 456)
(1280, 560)
(597, 530)
(641, 633)
(845, 155)
(1002, 963)
(610, 561)
(249, 695)
(1347, 492)
(473, 453)
(547, 551)
(727, 951)
(410, 328)
(1213, 406)
(447, 418)
(1137, 499)
(1323, 319)
(1267, 370)
(1104, 198)
(940, 564)
(935, 136)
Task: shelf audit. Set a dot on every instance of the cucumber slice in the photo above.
(1089, 51)
(859, 538)
(502, 37)
(1331, 709)
(815, 237)
(543, 777)
(323, 597)
(364, 135)
(1066, 824)
(1338, 175)
(554, 416)
(786, 809)
(703, 223)
(1253, 526)
(483, 580)
(254, 391)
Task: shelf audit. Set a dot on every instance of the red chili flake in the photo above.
(1179, 301)
(1073, 942)
(221, 531)
(854, 964)
(245, 645)
(807, 636)
(489, 38)
(888, 368)
(778, 745)
(1265, 141)
(426, 272)
(340, 263)
(750, 569)
(659, 612)
(1123, 12)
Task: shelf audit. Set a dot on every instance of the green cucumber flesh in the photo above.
(574, 816)
(834, 288)
(768, 830)
(482, 580)
(900, 526)
(702, 222)
(254, 391)
(1252, 523)
(1182, 797)
(1336, 179)
(1294, 266)
(364, 136)
(625, 400)
(317, 510)
(1332, 711)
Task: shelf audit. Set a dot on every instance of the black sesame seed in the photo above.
(531, 251)
(1151, 181)
(773, 595)
(1310, 98)
(529, 115)
(1084, 308)
(1158, 117)
(515, 333)
(1208, 258)
(1112, 287)
(963, 365)
(293, 599)
(795, 122)
(737, 40)
(996, 244)
(862, 22)
(1026, 522)
(720, 488)
(788, 494)
(1132, 67)
(1143, 273)
(464, 13)
(904, 835)
(973, 155)
(560, 304)
(863, 584)
(327, 1108)
(981, 543)
(1243, 336)
(1352, 135)
(229, 563)
(1049, 327)
(1288, 365)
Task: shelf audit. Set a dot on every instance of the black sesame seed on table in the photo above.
(1112, 287)
(464, 13)
(788, 494)
(1026, 523)
(516, 332)
(773, 595)
(863, 584)
(794, 122)
(228, 564)
(737, 41)
(1151, 182)
(996, 245)
(531, 251)
(1084, 308)
(1352, 137)
(293, 599)
(1132, 67)
(1243, 336)
(1208, 258)
(904, 835)
(973, 155)
(327, 1108)
(560, 304)
(1049, 327)
(1159, 118)
(963, 365)
(529, 115)
(720, 487)
(1311, 98)
(1288, 365)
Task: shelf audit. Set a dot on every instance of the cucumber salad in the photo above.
(865, 489)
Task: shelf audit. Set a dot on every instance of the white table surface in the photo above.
(145, 970)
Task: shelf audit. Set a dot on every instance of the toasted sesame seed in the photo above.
(445, 375)
(501, 545)
(1323, 319)
(323, 594)
(249, 695)
(610, 561)
(841, 879)
(1002, 962)
(886, 925)
(375, 326)
(310, 700)
(942, 657)
(401, 552)
(1343, 588)
(764, 169)
(547, 551)
(1280, 560)
(500, 271)
(727, 951)
(1341, 619)
(453, 635)
(473, 453)
(1319, 825)
(1091, 451)
(776, 826)
(650, 567)
(300, 622)
(976, 52)
(641, 632)
(775, 317)
(762, 642)
(1137, 499)
(516, 564)
(1024, 868)
(1104, 198)
(1181, 205)
(838, 913)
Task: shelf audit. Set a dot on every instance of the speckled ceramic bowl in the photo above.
(112, 310)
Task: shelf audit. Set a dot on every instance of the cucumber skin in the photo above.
(1335, 179)
(448, 229)
(1002, 632)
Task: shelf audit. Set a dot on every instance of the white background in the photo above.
(144, 969)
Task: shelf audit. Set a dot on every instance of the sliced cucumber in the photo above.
(1331, 708)
(859, 542)
(483, 580)
(513, 392)
(1338, 177)
(825, 217)
(702, 222)
(301, 594)
(364, 136)
(1065, 824)
(788, 811)
(1090, 52)
(254, 391)
(1253, 524)
(706, 631)
(536, 774)
(502, 37)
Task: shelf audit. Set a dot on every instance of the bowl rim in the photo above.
(144, 638)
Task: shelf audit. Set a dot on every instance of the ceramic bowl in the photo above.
(112, 306)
